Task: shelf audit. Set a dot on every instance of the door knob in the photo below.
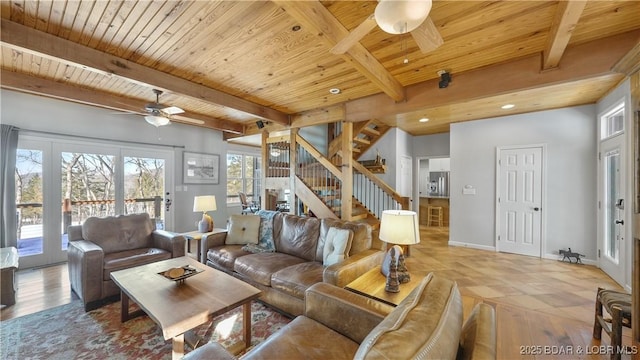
(536, 209)
(621, 222)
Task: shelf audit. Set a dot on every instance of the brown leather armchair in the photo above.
(339, 324)
(102, 245)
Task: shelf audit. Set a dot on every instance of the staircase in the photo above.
(365, 134)
(318, 180)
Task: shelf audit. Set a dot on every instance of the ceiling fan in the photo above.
(397, 17)
(159, 114)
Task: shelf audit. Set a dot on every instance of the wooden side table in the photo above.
(197, 236)
(9, 265)
(371, 284)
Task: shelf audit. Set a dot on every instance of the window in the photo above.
(243, 175)
(612, 123)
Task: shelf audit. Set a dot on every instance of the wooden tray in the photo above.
(188, 272)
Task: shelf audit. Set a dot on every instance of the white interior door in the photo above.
(520, 200)
(406, 175)
(612, 213)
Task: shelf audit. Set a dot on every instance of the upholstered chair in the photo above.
(102, 245)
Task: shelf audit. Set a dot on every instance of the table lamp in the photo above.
(398, 227)
(205, 203)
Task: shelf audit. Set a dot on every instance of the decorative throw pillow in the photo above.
(243, 229)
(255, 249)
(265, 239)
(337, 246)
(265, 235)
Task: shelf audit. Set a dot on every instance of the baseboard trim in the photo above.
(493, 248)
(559, 258)
(472, 246)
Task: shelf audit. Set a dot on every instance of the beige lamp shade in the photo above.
(204, 203)
(400, 16)
(399, 227)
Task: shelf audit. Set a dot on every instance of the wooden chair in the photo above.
(618, 305)
(435, 215)
(248, 206)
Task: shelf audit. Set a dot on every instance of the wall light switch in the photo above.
(468, 190)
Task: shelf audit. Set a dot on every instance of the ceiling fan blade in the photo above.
(354, 36)
(172, 110)
(185, 119)
(427, 36)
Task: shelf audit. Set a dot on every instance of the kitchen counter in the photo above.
(435, 197)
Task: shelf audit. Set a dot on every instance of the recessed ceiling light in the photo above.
(423, 120)
(508, 106)
(334, 91)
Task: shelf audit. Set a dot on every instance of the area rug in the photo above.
(68, 332)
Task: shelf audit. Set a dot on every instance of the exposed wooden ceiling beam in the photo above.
(39, 86)
(33, 41)
(565, 21)
(319, 116)
(313, 16)
(585, 61)
(354, 36)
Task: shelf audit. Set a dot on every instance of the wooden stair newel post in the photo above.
(265, 170)
(293, 160)
(346, 192)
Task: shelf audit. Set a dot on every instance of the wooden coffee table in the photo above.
(178, 307)
(372, 283)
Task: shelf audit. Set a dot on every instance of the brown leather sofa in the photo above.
(102, 245)
(338, 324)
(284, 275)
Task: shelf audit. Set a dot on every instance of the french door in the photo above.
(61, 183)
(612, 207)
(612, 203)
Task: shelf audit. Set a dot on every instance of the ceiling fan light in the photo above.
(401, 16)
(157, 120)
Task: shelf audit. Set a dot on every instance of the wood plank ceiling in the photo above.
(231, 63)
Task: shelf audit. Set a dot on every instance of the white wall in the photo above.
(436, 145)
(317, 136)
(569, 212)
(50, 115)
(387, 146)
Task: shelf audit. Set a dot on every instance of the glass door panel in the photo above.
(612, 196)
(29, 202)
(144, 187)
(88, 188)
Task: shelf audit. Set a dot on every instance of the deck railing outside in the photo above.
(75, 212)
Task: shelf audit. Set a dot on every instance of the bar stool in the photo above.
(618, 305)
(435, 215)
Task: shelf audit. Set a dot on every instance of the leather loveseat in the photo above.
(338, 324)
(102, 245)
(297, 262)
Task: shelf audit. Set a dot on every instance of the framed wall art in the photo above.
(200, 168)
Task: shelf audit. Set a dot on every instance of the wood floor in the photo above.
(541, 305)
